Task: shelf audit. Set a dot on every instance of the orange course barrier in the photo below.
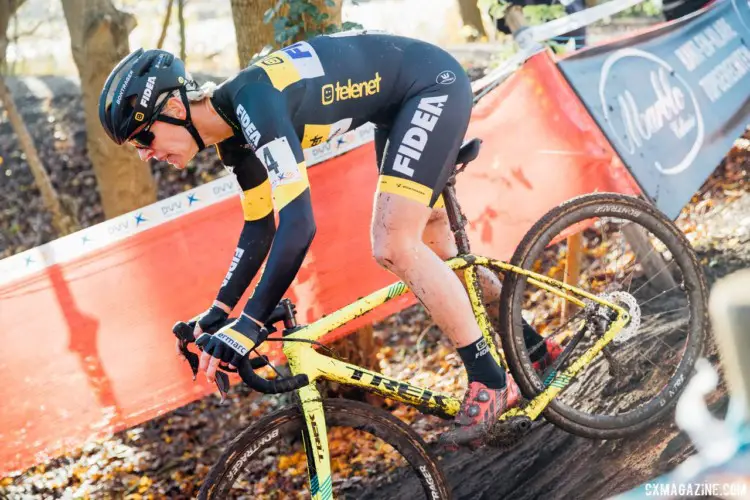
(88, 347)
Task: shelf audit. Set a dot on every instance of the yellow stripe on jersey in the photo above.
(406, 188)
(315, 135)
(283, 194)
(280, 69)
(440, 203)
(257, 202)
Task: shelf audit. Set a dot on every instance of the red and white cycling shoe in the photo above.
(480, 409)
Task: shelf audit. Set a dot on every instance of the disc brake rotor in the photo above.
(630, 304)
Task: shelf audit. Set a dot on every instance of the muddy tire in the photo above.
(289, 422)
(530, 249)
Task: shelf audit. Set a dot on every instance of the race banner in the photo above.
(672, 100)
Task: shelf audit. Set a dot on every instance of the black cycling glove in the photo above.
(211, 320)
(234, 341)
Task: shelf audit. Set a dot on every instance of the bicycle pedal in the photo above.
(508, 433)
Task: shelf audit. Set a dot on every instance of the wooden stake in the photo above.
(572, 270)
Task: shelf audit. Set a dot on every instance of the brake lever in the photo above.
(222, 382)
(185, 335)
(192, 358)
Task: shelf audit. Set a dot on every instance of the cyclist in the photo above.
(260, 120)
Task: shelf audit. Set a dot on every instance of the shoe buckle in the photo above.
(483, 396)
(473, 411)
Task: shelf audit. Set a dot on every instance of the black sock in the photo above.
(481, 366)
(532, 339)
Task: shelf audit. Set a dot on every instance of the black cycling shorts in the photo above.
(416, 152)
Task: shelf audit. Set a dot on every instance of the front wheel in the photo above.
(624, 250)
(381, 455)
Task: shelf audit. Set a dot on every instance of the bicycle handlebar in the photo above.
(260, 384)
(247, 368)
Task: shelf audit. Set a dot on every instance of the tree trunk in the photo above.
(334, 13)
(471, 16)
(334, 18)
(181, 21)
(252, 34)
(165, 25)
(99, 40)
(7, 9)
(62, 222)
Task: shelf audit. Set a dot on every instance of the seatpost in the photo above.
(455, 216)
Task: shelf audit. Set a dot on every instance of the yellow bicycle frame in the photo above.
(304, 359)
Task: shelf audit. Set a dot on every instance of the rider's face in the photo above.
(172, 143)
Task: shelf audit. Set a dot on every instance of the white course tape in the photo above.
(557, 27)
(529, 40)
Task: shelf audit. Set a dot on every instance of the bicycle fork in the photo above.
(315, 441)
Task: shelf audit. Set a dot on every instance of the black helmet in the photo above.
(144, 75)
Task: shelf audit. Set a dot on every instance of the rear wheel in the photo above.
(371, 452)
(623, 249)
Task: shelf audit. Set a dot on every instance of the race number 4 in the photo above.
(278, 158)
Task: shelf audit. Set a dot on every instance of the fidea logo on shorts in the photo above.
(412, 145)
(662, 112)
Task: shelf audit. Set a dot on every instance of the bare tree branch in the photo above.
(181, 20)
(62, 222)
(165, 24)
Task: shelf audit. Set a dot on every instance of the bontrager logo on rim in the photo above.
(667, 111)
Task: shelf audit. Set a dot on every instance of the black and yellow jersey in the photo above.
(308, 93)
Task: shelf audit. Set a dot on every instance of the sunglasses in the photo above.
(143, 138)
